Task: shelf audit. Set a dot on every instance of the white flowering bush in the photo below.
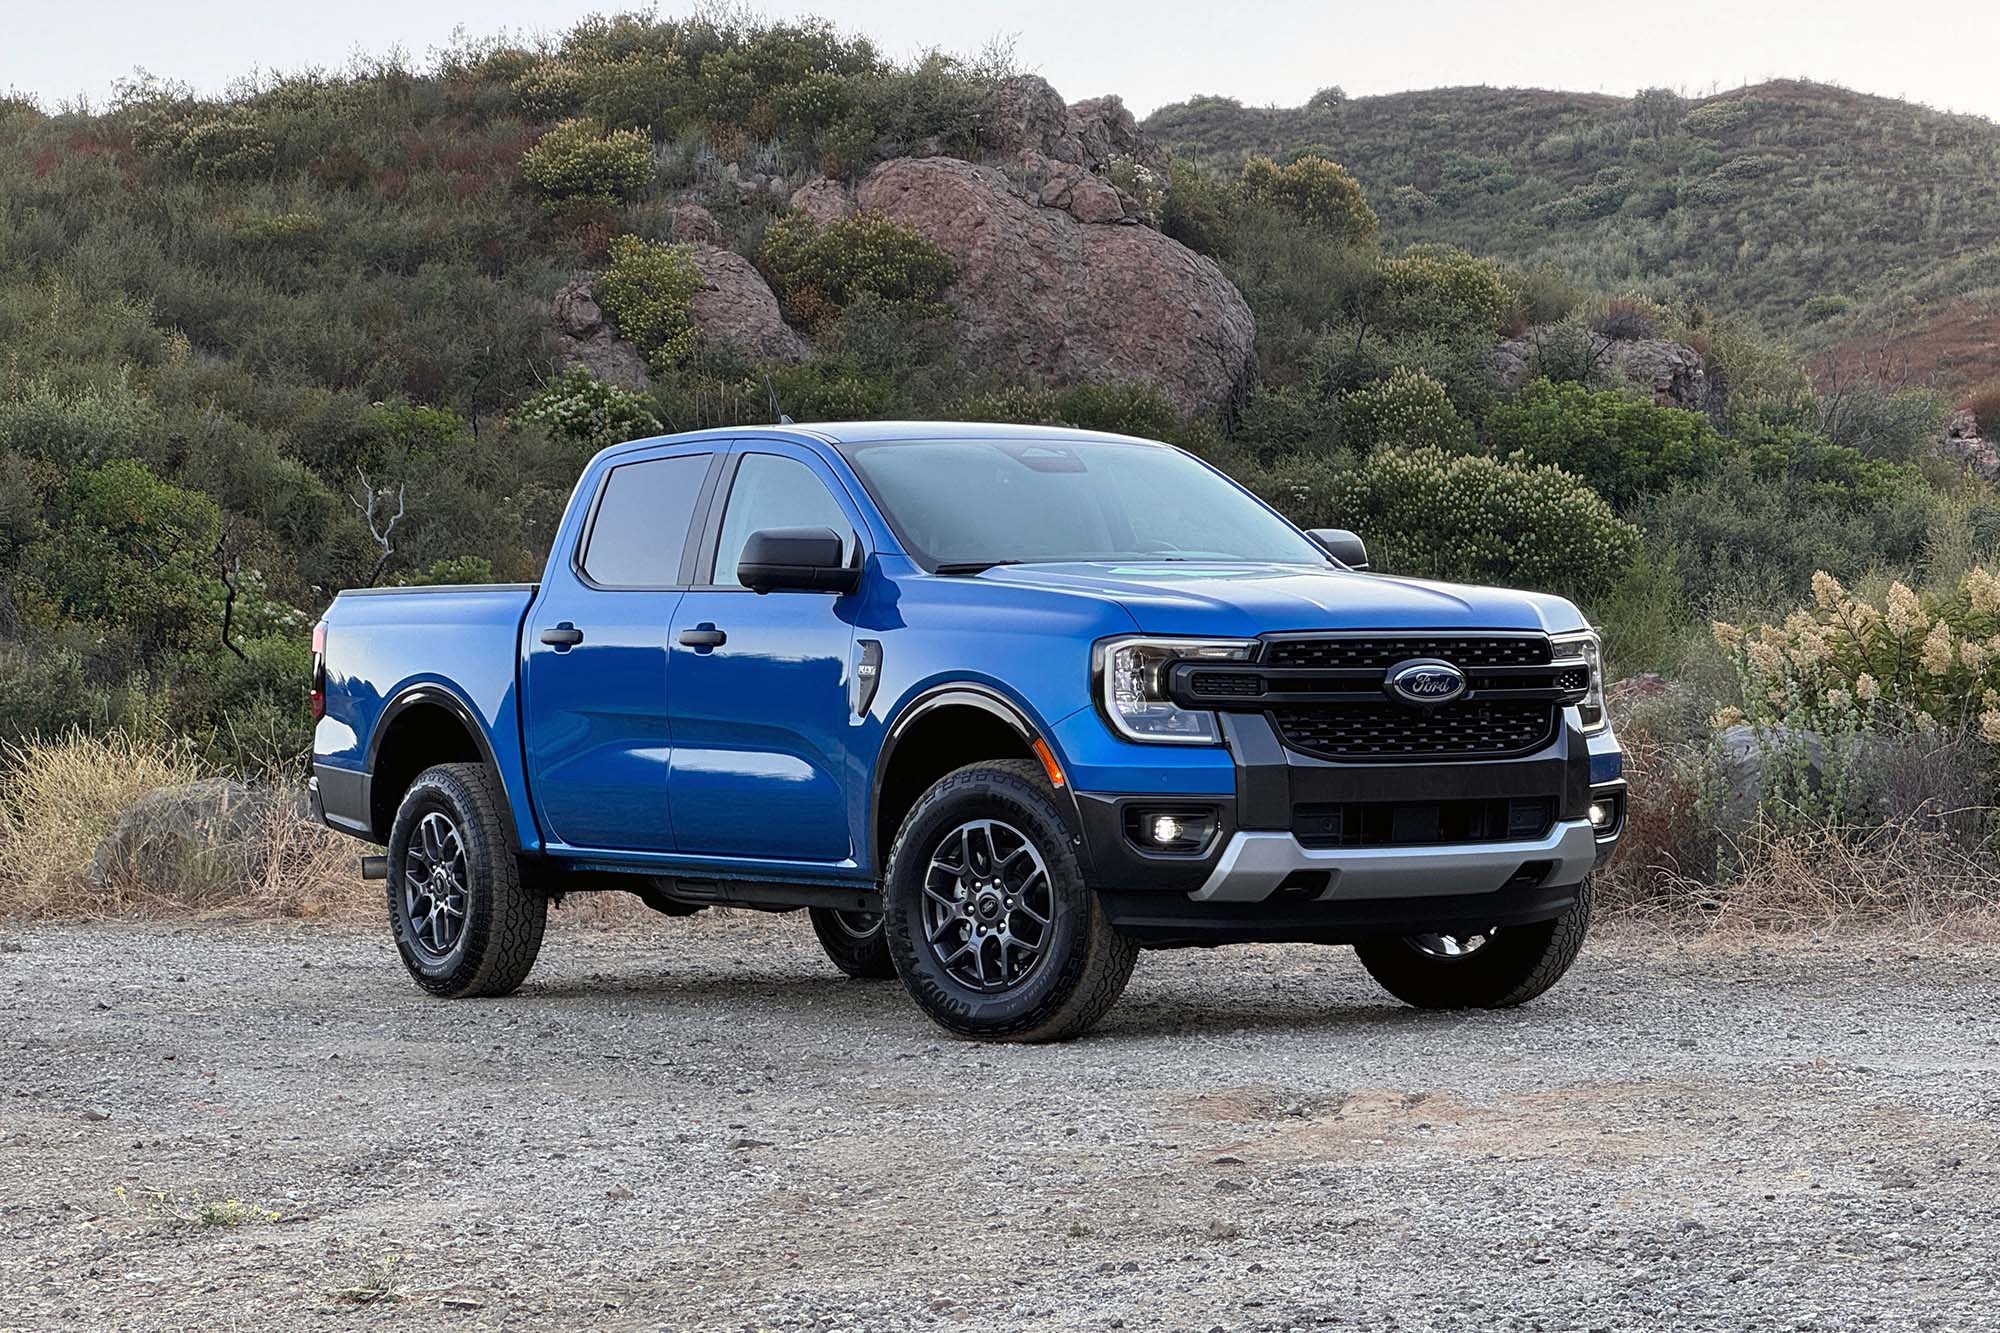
(1409, 410)
(580, 408)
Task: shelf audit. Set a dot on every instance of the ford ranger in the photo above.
(999, 706)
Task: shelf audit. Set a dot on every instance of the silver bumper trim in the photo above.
(1254, 863)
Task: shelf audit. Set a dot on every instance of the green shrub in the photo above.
(1465, 517)
(580, 161)
(818, 271)
(1623, 447)
(648, 290)
(1123, 409)
(1716, 118)
(1408, 410)
(1442, 288)
(1199, 211)
(126, 549)
(579, 408)
(1824, 307)
(212, 143)
(1984, 404)
(1318, 192)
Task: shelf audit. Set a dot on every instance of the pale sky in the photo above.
(1940, 52)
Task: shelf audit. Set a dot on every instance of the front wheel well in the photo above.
(418, 737)
(944, 739)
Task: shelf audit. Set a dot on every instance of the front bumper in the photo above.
(1254, 865)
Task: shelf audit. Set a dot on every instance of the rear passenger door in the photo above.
(595, 704)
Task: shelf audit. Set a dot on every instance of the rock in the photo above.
(1671, 372)
(1106, 131)
(203, 842)
(96, 1113)
(735, 305)
(1071, 188)
(696, 225)
(1025, 114)
(1635, 690)
(1964, 445)
(584, 337)
(824, 199)
(1041, 295)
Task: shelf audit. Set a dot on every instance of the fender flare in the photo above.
(433, 694)
(956, 694)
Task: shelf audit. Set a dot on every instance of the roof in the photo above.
(843, 433)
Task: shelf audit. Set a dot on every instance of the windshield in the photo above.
(985, 502)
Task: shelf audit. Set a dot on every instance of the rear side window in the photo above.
(642, 522)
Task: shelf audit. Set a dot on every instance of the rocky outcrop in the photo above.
(1963, 444)
(1042, 295)
(1670, 372)
(1063, 155)
(824, 200)
(696, 225)
(584, 337)
(735, 305)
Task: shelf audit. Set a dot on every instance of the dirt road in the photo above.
(699, 1124)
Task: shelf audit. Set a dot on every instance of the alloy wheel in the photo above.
(989, 906)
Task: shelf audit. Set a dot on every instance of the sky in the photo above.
(1940, 52)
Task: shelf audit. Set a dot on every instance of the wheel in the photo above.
(987, 916)
(1479, 968)
(853, 940)
(463, 921)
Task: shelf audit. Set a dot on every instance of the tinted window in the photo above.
(775, 492)
(978, 501)
(642, 522)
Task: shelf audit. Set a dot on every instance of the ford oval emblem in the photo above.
(1425, 682)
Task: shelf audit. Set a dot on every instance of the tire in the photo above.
(855, 943)
(1047, 980)
(1509, 967)
(491, 945)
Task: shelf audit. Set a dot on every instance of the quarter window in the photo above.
(642, 522)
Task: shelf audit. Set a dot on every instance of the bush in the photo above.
(214, 144)
(648, 290)
(1443, 289)
(818, 271)
(1408, 410)
(1123, 409)
(579, 408)
(580, 161)
(1318, 192)
(1623, 447)
(1199, 211)
(1984, 404)
(1465, 517)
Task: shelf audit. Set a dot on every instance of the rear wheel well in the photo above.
(943, 739)
(418, 737)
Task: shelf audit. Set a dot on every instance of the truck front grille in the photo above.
(1384, 651)
(1467, 728)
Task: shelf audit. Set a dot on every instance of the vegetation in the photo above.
(258, 348)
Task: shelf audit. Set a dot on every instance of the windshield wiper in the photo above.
(962, 567)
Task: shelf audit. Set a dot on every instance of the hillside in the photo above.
(1821, 213)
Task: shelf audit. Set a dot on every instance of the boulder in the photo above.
(203, 842)
(1670, 372)
(1025, 114)
(1962, 444)
(696, 225)
(824, 200)
(735, 305)
(1041, 295)
(1105, 130)
(1071, 188)
(584, 337)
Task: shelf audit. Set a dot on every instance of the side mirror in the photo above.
(1342, 545)
(808, 559)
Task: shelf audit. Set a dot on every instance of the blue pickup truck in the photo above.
(999, 706)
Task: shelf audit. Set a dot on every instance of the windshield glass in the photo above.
(982, 502)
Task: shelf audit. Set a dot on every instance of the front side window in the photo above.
(772, 491)
(980, 502)
(642, 522)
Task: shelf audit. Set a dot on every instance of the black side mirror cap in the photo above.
(808, 559)
(1342, 545)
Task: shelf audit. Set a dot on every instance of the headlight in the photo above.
(1132, 687)
(1586, 646)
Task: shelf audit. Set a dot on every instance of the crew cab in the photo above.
(1000, 706)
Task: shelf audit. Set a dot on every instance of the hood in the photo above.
(1241, 601)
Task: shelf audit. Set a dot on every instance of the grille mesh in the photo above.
(1383, 653)
(1391, 731)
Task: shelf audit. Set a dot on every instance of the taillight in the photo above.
(319, 672)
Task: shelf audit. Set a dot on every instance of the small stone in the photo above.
(618, 1192)
(94, 1113)
(1227, 1159)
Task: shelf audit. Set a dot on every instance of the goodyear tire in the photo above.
(855, 942)
(463, 921)
(1492, 969)
(988, 919)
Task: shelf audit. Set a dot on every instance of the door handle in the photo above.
(703, 637)
(563, 637)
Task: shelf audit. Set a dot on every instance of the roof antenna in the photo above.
(772, 391)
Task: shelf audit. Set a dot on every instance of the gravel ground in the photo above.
(700, 1124)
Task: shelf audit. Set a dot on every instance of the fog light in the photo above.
(1181, 830)
(1600, 815)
